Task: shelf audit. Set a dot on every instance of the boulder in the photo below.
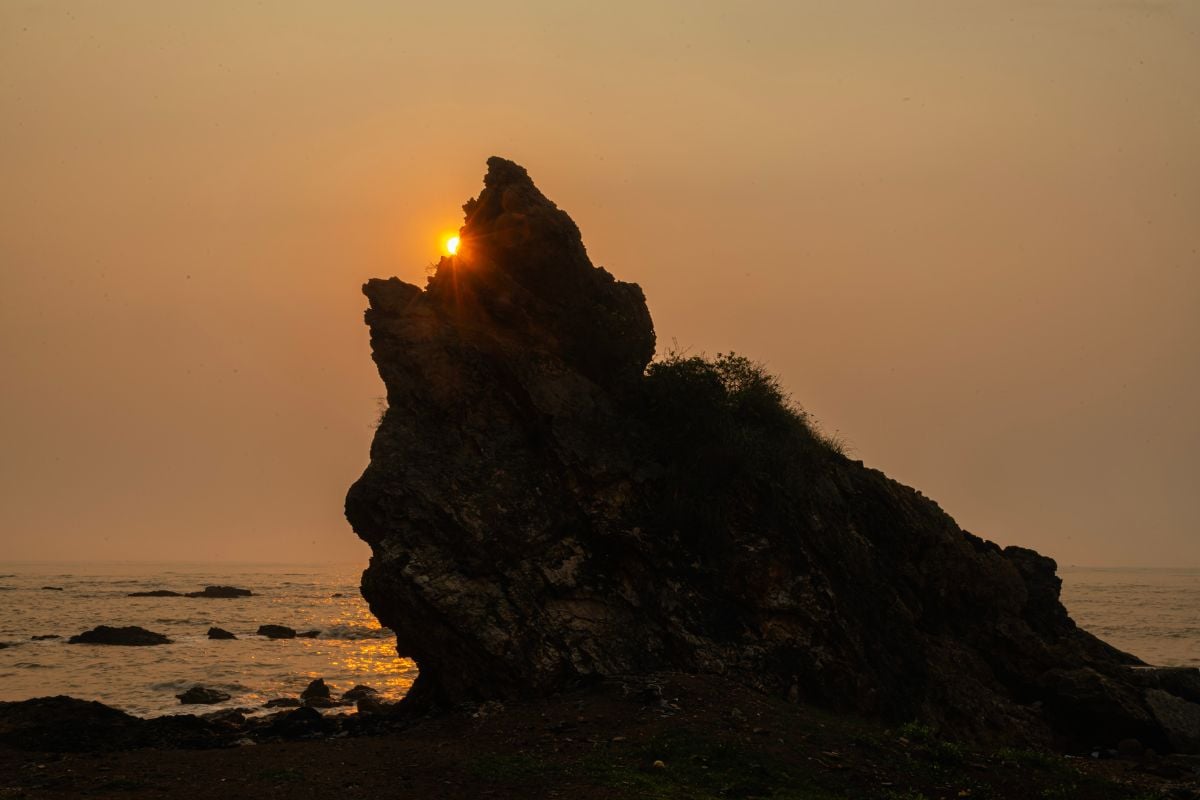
(276, 632)
(546, 507)
(283, 702)
(155, 593)
(358, 693)
(66, 724)
(302, 723)
(199, 695)
(220, 633)
(316, 688)
(221, 592)
(130, 635)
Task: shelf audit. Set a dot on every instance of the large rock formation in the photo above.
(544, 510)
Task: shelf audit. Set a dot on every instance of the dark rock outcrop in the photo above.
(544, 511)
(283, 702)
(155, 593)
(276, 631)
(221, 592)
(44, 637)
(220, 633)
(316, 688)
(131, 635)
(308, 634)
(65, 724)
(358, 693)
(201, 695)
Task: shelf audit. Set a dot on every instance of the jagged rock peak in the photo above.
(522, 269)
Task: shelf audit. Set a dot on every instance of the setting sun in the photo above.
(452, 245)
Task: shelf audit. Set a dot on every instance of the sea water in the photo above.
(1152, 613)
(351, 648)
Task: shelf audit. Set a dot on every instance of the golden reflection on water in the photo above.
(374, 659)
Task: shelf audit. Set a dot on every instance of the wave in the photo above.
(32, 665)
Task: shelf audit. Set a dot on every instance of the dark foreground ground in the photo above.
(676, 737)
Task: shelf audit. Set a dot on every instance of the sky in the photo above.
(966, 235)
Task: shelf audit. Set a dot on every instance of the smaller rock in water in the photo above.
(6, 644)
(308, 635)
(282, 702)
(316, 689)
(222, 591)
(44, 637)
(52, 588)
(220, 633)
(276, 631)
(199, 695)
(131, 636)
(337, 594)
(155, 593)
(359, 692)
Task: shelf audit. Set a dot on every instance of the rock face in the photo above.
(130, 635)
(544, 510)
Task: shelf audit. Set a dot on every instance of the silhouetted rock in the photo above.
(65, 724)
(4, 645)
(543, 510)
(276, 632)
(200, 695)
(337, 594)
(58, 724)
(131, 635)
(316, 688)
(52, 588)
(358, 693)
(374, 705)
(283, 702)
(44, 637)
(221, 592)
(308, 634)
(220, 633)
(302, 723)
(155, 593)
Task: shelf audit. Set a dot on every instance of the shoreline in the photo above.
(668, 736)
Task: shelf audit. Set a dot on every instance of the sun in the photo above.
(451, 245)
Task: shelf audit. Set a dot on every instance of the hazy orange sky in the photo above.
(965, 234)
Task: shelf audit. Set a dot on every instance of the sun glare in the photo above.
(452, 245)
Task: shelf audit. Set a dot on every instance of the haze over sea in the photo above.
(1152, 613)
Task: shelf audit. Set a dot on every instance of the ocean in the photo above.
(351, 649)
(1152, 613)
